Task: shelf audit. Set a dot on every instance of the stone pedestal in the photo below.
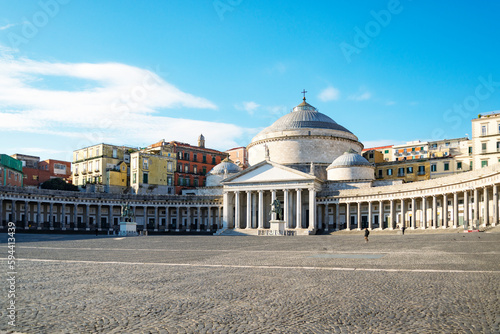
(128, 229)
(277, 225)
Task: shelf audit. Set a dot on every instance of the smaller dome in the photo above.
(226, 166)
(349, 159)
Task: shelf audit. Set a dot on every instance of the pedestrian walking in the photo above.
(96, 231)
(367, 233)
(402, 229)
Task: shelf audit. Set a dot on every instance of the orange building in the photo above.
(239, 155)
(37, 172)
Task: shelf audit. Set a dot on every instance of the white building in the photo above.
(486, 140)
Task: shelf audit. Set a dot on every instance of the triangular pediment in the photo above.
(267, 171)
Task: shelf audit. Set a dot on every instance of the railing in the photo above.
(420, 173)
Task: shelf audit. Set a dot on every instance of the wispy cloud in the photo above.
(330, 93)
(7, 26)
(118, 103)
(361, 96)
(390, 103)
(249, 107)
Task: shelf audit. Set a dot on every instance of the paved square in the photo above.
(417, 283)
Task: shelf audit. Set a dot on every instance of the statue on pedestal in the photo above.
(127, 213)
(277, 209)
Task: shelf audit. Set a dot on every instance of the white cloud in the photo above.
(330, 93)
(249, 107)
(118, 103)
(7, 26)
(362, 96)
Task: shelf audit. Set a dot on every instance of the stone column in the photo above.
(199, 218)
(237, 211)
(299, 208)
(51, 215)
(403, 213)
(261, 209)
(111, 221)
(423, 224)
(225, 211)
(273, 198)
(381, 214)
(434, 211)
(209, 218)
(495, 205)
(391, 220)
(219, 217)
(486, 210)
(39, 214)
(370, 224)
(26, 215)
(13, 211)
(167, 218)
(249, 210)
(445, 211)
(348, 216)
(145, 216)
(99, 206)
(254, 210)
(312, 209)
(358, 213)
(179, 218)
(466, 210)
(86, 217)
(337, 216)
(75, 215)
(63, 216)
(327, 218)
(413, 214)
(476, 208)
(286, 209)
(455, 210)
(1, 211)
(157, 218)
(188, 220)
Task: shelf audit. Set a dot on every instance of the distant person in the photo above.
(367, 233)
(96, 231)
(403, 229)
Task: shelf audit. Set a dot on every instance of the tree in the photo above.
(58, 184)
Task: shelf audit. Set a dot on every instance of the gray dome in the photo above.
(225, 166)
(304, 116)
(350, 159)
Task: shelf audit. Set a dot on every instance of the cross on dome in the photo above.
(304, 92)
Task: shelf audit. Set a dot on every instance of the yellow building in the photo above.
(95, 165)
(152, 171)
(406, 170)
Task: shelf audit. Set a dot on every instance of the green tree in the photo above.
(58, 184)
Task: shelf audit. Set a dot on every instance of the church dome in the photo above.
(304, 116)
(302, 137)
(350, 166)
(349, 159)
(226, 166)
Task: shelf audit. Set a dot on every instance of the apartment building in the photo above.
(486, 140)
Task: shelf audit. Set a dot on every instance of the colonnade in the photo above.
(65, 214)
(470, 209)
(251, 209)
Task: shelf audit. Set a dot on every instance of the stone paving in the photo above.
(419, 283)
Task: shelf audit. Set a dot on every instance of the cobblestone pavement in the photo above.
(425, 283)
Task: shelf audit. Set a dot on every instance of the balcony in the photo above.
(401, 174)
(84, 172)
(420, 173)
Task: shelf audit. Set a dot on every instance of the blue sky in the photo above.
(76, 73)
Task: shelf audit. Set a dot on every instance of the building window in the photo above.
(401, 171)
(447, 144)
(498, 146)
(213, 160)
(115, 153)
(134, 178)
(386, 152)
(76, 156)
(90, 167)
(483, 147)
(97, 152)
(169, 166)
(459, 165)
(446, 166)
(380, 173)
(180, 168)
(409, 170)
(195, 169)
(186, 169)
(433, 168)
(484, 130)
(204, 170)
(186, 156)
(371, 156)
(470, 150)
(145, 178)
(145, 164)
(84, 154)
(195, 157)
(389, 171)
(484, 163)
(169, 180)
(134, 163)
(196, 182)
(179, 155)
(204, 159)
(471, 165)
